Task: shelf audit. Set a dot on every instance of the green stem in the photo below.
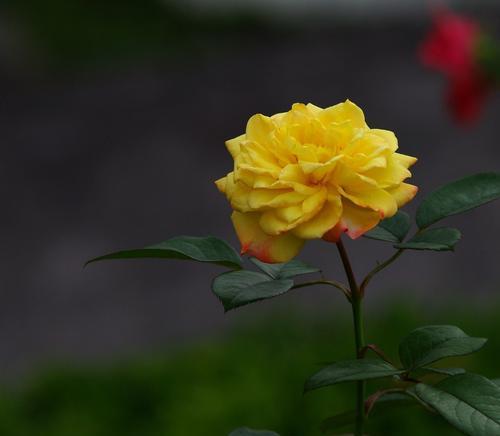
(359, 339)
(379, 268)
(384, 265)
(357, 314)
(333, 283)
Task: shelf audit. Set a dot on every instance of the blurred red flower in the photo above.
(450, 47)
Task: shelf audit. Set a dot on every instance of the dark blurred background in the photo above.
(113, 117)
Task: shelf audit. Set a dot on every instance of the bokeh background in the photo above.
(113, 117)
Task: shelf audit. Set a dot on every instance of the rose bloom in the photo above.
(312, 173)
(451, 47)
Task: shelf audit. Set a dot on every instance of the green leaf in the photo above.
(392, 229)
(386, 405)
(469, 402)
(351, 370)
(458, 196)
(443, 371)
(426, 345)
(237, 288)
(245, 431)
(286, 270)
(441, 239)
(201, 249)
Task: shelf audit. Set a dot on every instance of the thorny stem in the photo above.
(379, 268)
(359, 340)
(383, 265)
(372, 399)
(377, 351)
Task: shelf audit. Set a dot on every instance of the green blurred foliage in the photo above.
(76, 32)
(254, 378)
(488, 54)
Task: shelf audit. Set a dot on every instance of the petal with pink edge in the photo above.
(355, 221)
(266, 248)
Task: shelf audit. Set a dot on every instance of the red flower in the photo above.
(451, 48)
(466, 96)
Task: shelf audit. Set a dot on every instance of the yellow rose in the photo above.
(312, 173)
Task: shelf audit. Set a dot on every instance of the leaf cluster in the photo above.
(451, 199)
(469, 402)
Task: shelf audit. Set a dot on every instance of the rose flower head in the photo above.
(312, 173)
(449, 47)
(452, 47)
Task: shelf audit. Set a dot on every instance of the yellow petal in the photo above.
(293, 173)
(403, 193)
(259, 128)
(372, 163)
(388, 137)
(341, 112)
(221, 184)
(266, 171)
(337, 135)
(257, 179)
(375, 199)
(289, 214)
(237, 193)
(345, 176)
(293, 176)
(275, 223)
(322, 222)
(299, 111)
(319, 171)
(313, 108)
(305, 153)
(258, 156)
(254, 242)
(273, 198)
(314, 203)
(393, 174)
(233, 145)
(272, 223)
(403, 159)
